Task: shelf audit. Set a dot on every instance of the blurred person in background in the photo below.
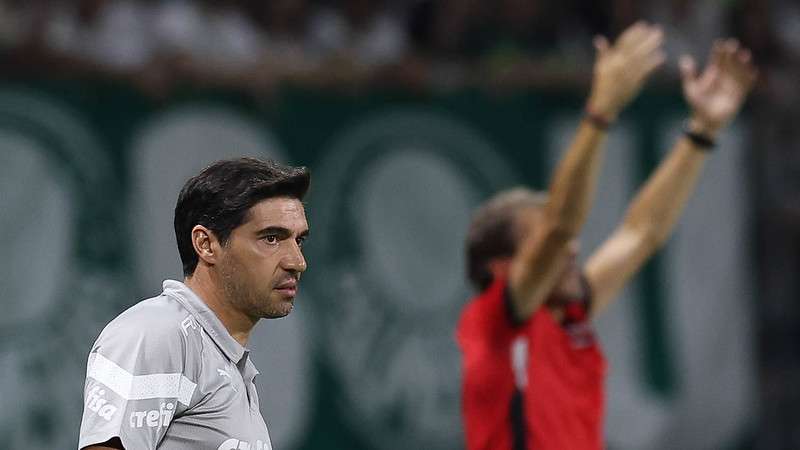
(206, 42)
(16, 25)
(772, 30)
(533, 370)
(360, 41)
(88, 37)
(290, 54)
(521, 42)
(444, 40)
(111, 34)
(173, 371)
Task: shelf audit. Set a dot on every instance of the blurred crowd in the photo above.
(439, 44)
(259, 45)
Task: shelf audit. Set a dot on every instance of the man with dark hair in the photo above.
(173, 372)
(533, 371)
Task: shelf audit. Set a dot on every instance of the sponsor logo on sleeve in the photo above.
(95, 402)
(153, 418)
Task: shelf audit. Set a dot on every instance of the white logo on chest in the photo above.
(225, 374)
(187, 323)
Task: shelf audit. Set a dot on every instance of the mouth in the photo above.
(287, 288)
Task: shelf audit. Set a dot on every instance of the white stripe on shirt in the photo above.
(141, 387)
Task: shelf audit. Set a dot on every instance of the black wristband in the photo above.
(702, 141)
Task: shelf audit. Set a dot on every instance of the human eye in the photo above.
(271, 238)
(300, 241)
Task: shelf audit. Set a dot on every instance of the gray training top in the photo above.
(166, 374)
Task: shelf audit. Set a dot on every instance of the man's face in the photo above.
(262, 261)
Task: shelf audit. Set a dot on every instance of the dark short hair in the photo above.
(493, 234)
(221, 195)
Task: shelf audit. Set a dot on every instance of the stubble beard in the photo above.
(245, 297)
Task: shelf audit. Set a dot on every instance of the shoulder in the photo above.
(490, 301)
(156, 334)
(487, 309)
(157, 317)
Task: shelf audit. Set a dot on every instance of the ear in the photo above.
(205, 244)
(500, 268)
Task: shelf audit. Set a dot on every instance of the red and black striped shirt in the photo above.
(534, 385)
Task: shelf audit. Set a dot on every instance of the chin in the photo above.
(281, 310)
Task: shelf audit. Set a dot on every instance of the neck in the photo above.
(238, 324)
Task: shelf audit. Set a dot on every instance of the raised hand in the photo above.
(717, 94)
(621, 69)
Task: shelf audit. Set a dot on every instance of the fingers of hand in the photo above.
(717, 51)
(710, 78)
(637, 52)
(648, 54)
(650, 41)
(736, 63)
(688, 68)
(653, 61)
(743, 67)
(601, 45)
(729, 49)
(631, 34)
(643, 38)
(744, 56)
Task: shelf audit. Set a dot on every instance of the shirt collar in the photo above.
(234, 351)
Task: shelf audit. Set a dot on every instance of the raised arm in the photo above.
(619, 73)
(714, 97)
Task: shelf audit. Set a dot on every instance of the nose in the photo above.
(293, 260)
(574, 247)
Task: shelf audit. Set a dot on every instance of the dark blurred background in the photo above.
(409, 113)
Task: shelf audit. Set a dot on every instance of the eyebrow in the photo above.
(282, 232)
